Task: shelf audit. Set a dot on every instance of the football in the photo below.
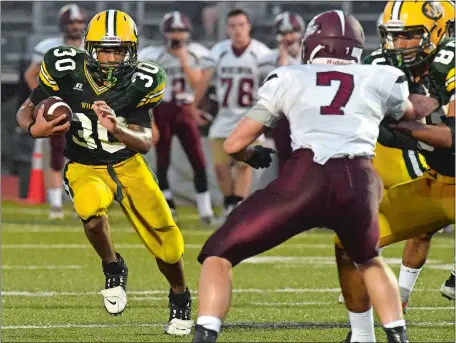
(54, 107)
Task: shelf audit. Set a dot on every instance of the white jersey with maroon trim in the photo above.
(334, 110)
(178, 88)
(47, 44)
(237, 81)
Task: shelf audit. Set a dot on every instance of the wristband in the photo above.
(29, 128)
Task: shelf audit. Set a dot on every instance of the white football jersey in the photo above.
(334, 110)
(178, 88)
(46, 44)
(237, 81)
(271, 61)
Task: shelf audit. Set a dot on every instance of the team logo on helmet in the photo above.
(433, 10)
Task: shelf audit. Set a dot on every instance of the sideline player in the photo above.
(234, 62)
(111, 128)
(181, 59)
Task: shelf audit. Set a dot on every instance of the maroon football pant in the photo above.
(173, 120)
(282, 140)
(57, 144)
(342, 195)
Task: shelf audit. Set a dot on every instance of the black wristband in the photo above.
(29, 128)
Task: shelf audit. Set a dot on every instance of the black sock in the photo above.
(171, 204)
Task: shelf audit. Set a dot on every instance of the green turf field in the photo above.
(51, 282)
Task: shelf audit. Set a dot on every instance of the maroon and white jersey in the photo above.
(271, 61)
(237, 81)
(178, 88)
(334, 110)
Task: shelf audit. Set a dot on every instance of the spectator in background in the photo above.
(72, 22)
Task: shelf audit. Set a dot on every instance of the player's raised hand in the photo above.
(198, 115)
(43, 128)
(106, 116)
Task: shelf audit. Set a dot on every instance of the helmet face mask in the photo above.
(111, 44)
(406, 47)
(411, 31)
(177, 38)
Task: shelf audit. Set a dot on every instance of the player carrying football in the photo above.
(334, 107)
(412, 40)
(111, 93)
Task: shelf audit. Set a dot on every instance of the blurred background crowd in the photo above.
(26, 23)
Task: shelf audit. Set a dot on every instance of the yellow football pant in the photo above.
(131, 182)
(416, 207)
(397, 166)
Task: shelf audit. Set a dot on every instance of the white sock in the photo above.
(210, 323)
(203, 203)
(362, 326)
(167, 194)
(394, 324)
(55, 197)
(407, 279)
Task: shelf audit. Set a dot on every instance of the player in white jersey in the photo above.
(289, 28)
(72, 22)
(182, 63)
(235, 63)
(334, 106)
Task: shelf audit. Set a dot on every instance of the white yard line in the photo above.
(261, 303)
(4, 267)
(236, 290)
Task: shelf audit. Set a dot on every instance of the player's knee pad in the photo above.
(89, 200)
(172, 246)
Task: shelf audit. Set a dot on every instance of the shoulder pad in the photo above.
(260, 48)
(43, 46)
(58, 62)
(444, 63)
(150, 53)
(376, 57)
(198, 49)
(149, 81)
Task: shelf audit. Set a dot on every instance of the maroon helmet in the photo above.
(333, 35)
(69, 14)
(288, 22)
(175, 21)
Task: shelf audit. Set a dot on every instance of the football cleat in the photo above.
(180, 316)
(114, 294)
(397, 335)
(56, 213)
(447, 288)
(204, 335)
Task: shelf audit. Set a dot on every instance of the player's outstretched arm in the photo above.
(135, 137)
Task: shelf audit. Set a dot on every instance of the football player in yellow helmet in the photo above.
(111, 94)
(414, 39)
(411, 31)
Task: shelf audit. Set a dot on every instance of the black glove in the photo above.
(261, 157)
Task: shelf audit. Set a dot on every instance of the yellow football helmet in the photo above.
(411, 19)
(111, 29)
(448, 8)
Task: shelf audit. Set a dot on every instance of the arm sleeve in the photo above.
(141, 116)
(38, 95)
(155, 96)
(270, 94)
(395, 139)
(263, 116)
(396, 102)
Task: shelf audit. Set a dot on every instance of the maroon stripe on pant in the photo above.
(342, 195)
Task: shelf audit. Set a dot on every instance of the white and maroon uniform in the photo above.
(173, 117)
(237, 81)
(334, 114)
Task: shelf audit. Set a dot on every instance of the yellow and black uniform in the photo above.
(426, 203)
(100, 168)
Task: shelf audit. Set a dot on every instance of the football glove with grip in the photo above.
(261, 157)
